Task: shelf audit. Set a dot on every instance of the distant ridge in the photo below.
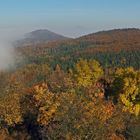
(113, 31)
(41, 36)
(115, 35)
(108, 47)
(118, 38)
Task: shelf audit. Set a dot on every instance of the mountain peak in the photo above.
(40, 31)
(41, 36)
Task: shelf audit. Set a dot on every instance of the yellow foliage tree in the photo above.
(46, 103)
(127, 84)
(87, 72)
(10, 110)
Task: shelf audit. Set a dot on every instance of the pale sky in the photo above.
(68, 17)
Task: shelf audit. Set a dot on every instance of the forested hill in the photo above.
(53, 94)
(110, 48)
(116, 36)
(40, 36)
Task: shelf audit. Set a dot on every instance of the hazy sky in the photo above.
(67, 17)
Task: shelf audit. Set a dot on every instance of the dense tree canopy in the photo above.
(38, 102)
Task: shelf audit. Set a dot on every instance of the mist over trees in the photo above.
(6, 56)
(78, 89)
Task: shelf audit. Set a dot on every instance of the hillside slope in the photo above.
(40, 36)
(108, 47)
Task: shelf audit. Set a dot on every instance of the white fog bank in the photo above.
(6, 56)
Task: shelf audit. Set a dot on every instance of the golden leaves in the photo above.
(87, 72)
(10, 110)
(46, 103)
(129, 79)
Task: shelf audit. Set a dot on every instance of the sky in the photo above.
(71, 18)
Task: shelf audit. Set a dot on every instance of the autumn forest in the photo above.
(86, 88)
